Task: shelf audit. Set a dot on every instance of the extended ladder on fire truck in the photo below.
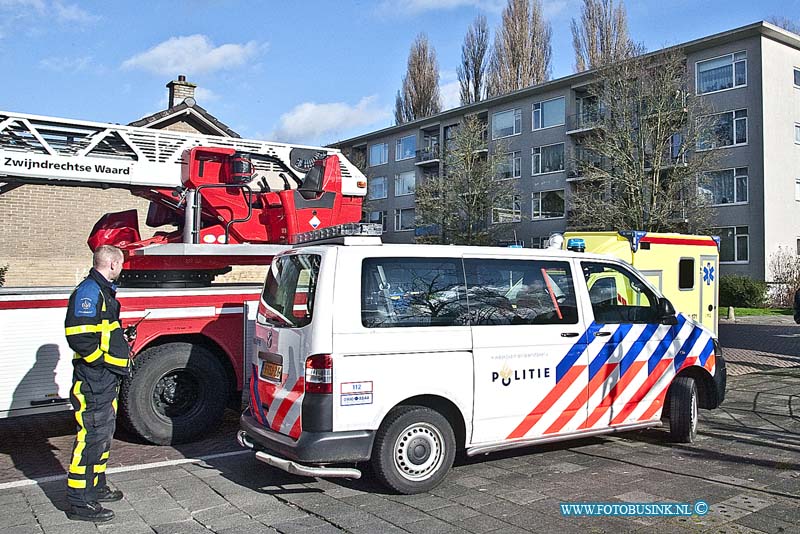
(215, 190)
(40, 149)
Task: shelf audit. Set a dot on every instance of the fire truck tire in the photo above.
(413, 450)
(683, 410)
(176, 394)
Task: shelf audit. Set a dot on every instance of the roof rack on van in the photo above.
(342, 234)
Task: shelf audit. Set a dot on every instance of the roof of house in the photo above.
(193, 114)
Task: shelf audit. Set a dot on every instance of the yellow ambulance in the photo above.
(684, 268)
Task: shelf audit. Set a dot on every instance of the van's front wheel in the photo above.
(683, 414)
(414, 449)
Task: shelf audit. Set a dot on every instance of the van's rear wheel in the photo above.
(176, 393)
(683, 414)
(414, 448)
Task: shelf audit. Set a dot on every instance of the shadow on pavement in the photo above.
(28, 441)
(769, 339)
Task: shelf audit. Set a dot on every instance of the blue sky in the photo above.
(311, 72)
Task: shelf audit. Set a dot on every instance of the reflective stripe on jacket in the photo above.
(92, 325)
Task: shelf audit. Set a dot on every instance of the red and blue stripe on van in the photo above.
(620, 378)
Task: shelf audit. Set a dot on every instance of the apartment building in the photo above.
(749, 77)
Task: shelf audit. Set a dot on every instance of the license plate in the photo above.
(271, 371)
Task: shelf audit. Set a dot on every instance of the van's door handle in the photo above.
(569, 334)
(602, 334)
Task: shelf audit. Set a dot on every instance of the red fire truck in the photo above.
(230, 201)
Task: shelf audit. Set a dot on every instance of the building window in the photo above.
(406, 147)
(376, 188)
(506, 123)
(686, 273)
(404, 183)
(547, 204)
(509, 165)
(728, 186)
(404, 219)
(512, 212)
(548, 113)
(724, 129)
(797, 133)
(797, 77)
(797, 189)
(734, 244)
(725, 72)
(548, 158)
(378, 154)
(378, 217)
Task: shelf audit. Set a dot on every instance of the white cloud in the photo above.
(66, 64)
(192, 54)
(450, 94)
(202, 95)
(73, 14)
(25, 16)
(309, 122)
(449, 89)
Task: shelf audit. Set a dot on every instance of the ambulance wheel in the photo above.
(176, 394)
(683, 409)
(414, 448)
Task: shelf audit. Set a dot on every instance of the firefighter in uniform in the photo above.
(100, 361)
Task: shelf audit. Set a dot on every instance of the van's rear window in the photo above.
(288, 295)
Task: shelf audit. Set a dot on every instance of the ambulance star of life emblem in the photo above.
(708, 274)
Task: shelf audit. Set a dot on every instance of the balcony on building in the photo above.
(584, 121)
(581, 160)
(588, 112)
(673, 155)
(430, 152)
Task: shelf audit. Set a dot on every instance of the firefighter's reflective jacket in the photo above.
(92, 325)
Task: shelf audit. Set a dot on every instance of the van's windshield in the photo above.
(289, 290)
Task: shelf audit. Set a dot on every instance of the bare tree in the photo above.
(790, 25)
(521, 54)
(638, 165)
(419, 96)
(460, 206)
(601, 36)
(472, 71)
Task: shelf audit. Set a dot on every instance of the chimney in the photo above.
(180, 90)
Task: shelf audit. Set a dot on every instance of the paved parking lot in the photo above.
(745, 465)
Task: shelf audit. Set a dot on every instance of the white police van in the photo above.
(402, 354)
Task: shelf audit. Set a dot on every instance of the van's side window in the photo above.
(618, 296)
(402, 292)
(503, 292)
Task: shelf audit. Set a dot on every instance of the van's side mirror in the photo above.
(666, 312)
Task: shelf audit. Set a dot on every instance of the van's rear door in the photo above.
(283, 340)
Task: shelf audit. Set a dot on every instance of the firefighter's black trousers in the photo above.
(94, 398)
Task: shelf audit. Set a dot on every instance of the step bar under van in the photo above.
(295, 468)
